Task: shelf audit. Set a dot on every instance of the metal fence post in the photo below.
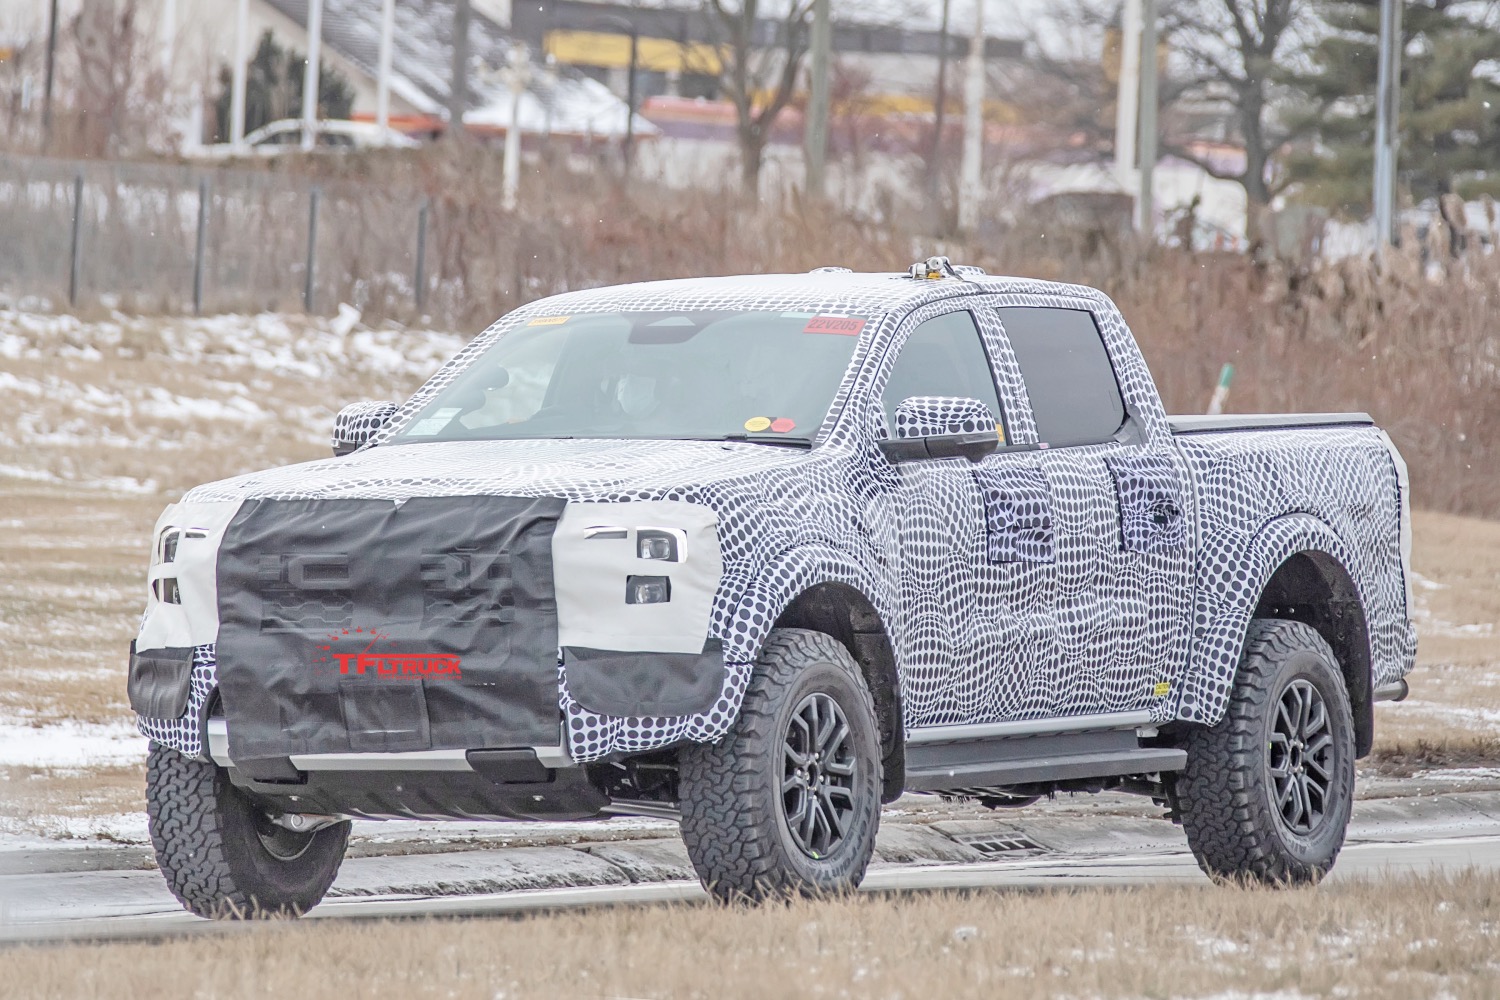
(312, 248)
(75, 252)
(420, 279)
(201, 247)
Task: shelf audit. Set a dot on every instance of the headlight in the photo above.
(661, 544)
(647, 590)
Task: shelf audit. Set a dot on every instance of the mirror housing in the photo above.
(942, 427)
(357, 423)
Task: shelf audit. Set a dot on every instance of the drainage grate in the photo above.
(993, 844)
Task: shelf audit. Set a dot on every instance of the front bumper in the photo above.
(516, 783)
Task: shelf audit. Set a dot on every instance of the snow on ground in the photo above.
(311, 346)
(84, 400)
(70, 745)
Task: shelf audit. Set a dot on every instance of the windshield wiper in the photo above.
(777, 439)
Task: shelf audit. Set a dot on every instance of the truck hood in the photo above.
(578, 469)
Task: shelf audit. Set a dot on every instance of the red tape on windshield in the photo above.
(846, 326)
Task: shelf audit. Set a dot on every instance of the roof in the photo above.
(835, 292)
(422, 66)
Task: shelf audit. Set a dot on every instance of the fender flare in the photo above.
(1227, 598)
(751, 603)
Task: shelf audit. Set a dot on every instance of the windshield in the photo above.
(706, 375)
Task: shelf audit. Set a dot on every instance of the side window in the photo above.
(1074, 395)
(943, 357)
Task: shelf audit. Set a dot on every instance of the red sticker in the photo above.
(845, 326)
(783, 424)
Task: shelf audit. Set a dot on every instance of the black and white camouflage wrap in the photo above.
(1031, 584)
(357, 423)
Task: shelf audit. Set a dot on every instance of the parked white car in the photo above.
(332, 134)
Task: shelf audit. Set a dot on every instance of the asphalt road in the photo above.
(136, 904)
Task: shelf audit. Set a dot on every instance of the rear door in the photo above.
(1119, 518)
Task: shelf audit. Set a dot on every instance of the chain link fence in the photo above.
(171, 238)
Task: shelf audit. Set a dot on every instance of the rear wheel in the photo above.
(1267, 792)
(788, 802)
(220, 851)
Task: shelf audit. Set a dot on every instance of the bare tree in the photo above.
(760, 58)
(1242, 56)
(118, 86)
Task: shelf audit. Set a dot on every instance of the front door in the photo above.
(974, 555)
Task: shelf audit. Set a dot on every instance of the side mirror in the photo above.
(357, 423)
(942, 427)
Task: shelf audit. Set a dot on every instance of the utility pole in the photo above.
(310, 78)
(241, 71)
(1128, 95)
(939, 110)
(458, 88)
(630, 28)
(51, 72)
(1387, 114)
(1145, 208)
(517, 74)
(973, 166)
(168, 37)
(815, 144)
(383, 74)
(628, 152)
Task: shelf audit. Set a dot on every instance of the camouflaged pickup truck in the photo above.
(762, 553)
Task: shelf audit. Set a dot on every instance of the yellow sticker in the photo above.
(757, 424)
(1161, 689)
(549, 321)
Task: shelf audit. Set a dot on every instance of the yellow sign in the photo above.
(755, 424)
(659, 55)
(1161, 689)
(549, 321)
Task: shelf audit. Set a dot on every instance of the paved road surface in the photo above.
(136, 904)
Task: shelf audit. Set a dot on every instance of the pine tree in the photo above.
(273, 89)
(1449, 127)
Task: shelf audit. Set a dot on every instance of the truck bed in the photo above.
(1200, 424)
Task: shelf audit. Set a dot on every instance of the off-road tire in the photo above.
(733, 814)
(204, 832)
(1225, 796)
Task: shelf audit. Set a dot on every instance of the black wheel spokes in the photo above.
(817, 783)
(1300, 757)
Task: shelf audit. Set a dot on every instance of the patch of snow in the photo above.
(70, 744)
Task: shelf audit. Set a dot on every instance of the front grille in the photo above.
(300, 611)
(466, 587)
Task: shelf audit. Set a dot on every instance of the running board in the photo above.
(1026, 760)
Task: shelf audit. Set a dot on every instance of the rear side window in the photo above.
(1074, 395)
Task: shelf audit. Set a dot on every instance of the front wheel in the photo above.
(1267, 792)
(788, 802)
(220, 852)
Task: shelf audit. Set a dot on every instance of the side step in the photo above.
(1025, 760)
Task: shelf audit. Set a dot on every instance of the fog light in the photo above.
(653, 544)
(648, 589)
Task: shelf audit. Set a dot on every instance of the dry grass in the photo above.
(1454, 706)
(1408, 937)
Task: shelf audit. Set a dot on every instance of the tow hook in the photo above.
(305, 822)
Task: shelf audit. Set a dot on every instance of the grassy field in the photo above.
(1427, 936)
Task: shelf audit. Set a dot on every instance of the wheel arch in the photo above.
(1295, 567)
(1315, 588)
(843, 612)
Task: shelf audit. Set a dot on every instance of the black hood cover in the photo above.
(379, 625)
